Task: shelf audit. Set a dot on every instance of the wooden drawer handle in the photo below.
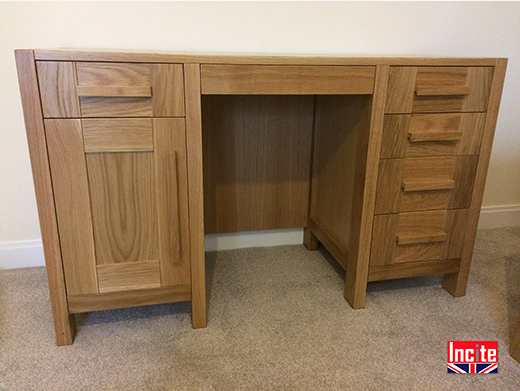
(423, 185)
(432, 236)
(441, 90)
(115, 92)
(434, 136)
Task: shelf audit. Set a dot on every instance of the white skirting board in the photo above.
(29, 253)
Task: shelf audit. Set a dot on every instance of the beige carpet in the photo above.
(277, 321)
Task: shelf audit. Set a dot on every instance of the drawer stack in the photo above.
(432, 131)
(116, 142)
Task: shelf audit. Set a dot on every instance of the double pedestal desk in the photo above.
(136, 156)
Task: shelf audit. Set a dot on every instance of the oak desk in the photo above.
(136, 155)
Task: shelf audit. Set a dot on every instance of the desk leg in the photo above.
(365, 184)
(310, 241)
(195, 194)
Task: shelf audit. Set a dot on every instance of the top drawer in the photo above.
(438, 89)
(72, 90)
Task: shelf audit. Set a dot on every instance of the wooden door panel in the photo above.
(122, 192)
(71, 196)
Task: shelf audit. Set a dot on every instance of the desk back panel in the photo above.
(257, 152)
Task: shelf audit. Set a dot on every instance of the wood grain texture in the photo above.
(438, 89)
(365, 184)
(455, 225)
(464, 177)
(399, 130)
(457, 90)
(71, 194)
(172, 200)
(310, 241)
(456, 283)
(337, 124)
(415, 269)
(472, 127)
(195, 193)
(383, 240)
(124, 213)
(64, 325)
(256, 161)
(129, 276)
(514, 348)
(288, 80)
(414, 184)
(118, 135)
(168, 90)
(115, 91)
(113, 74)
(420, 135)
(410, 237)
(401, 87)
(335, 248)
(480, 80)
(417, 252)
(115, 107)
(123, 299)
(475, 82)
(57, 82)
(389, 189)
(150, 57)
(435, 127)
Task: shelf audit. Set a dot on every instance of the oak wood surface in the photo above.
(365, 183)
(442, 90)
(337, 124)
(279, 80)
(64, 324)
(195, 193)
(439, 89)
(329, 241)
(154, 57)
(415, 269)
(168, 90)
(124, 212)
(115, 91)
(456, 283)
(432, 133)
(114, 74)
(118, 135)
(172, 200)
(71, 194)
(57, 82)
(256, 161)
(129, 276)
(122, 299)
(115, 107)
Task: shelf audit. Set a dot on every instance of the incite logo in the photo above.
(472, 357)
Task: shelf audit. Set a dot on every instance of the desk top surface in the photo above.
(163, 57)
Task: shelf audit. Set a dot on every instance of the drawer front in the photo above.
(286, 80)
(438, 134)
(418, 236)
(438, 89)
(72, 90)
(426, 183)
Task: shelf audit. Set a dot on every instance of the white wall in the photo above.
(458, 29)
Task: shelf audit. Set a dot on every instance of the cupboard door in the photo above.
(121, 195)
